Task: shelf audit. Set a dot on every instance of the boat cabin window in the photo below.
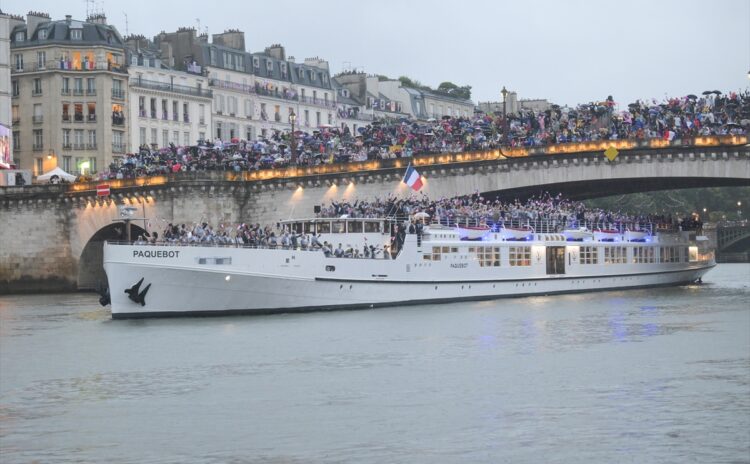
(324, 227)
(309, 227)
(355, 227)
(296, 227)
(519, 256)
(372, 227)
(338, 227)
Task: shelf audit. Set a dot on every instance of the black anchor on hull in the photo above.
(134, 295)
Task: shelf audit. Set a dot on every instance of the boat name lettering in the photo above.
(459, 265)
(156, 254)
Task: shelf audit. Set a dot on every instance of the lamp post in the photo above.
(739, 210)
(293, 141)
(505, 117)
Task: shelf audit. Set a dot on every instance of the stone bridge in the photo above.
(52, 234)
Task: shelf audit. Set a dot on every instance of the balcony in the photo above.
(118, 94)
(65, 118)
(118, 120)
(165, 117)
(90, 91)
(78, 92)
(168, 87)
(91, 146)
(78, 146)
(78, 117)
(37, 119)
(118, 147)
(317, 102)
(67, 146)
(65, 92)
(175, 117)
(36, 93)
(142, 114)
(36, 147)
(16, 121)
(185, 118)
(91, 118)
(153, 114)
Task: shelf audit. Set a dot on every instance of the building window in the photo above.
(37, 89)
(588, 255)
(19, 62)
(78, 139)
(153, 136)
(76, 34)
(42, 34)
(142, 136)
(218, 130)
(38, 166)
(202, 114)
(66, 163)
(92, 139)
(519, 256)
(186, 138)
(20, 36)
(317, 118)
(176, 137)
(164, 138)
(330, 119)
(92, 164)
(38, 139)
(41, 60)
(91, 86)
(16, 140)
(16, 88)
(66, 139)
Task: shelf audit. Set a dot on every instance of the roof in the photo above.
(58, 33)
(322, 77)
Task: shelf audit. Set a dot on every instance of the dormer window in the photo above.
(345, 93)
(76, 34)
(256, 62)
(312, 76)
(43, 34)
(20, 36)
(301, 73)
(269, 65)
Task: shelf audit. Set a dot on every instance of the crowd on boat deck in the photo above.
(475, 209)
(712, 113)
(416, 210)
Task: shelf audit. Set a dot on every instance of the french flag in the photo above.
(412, 178)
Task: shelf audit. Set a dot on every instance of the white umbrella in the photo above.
(421, 215)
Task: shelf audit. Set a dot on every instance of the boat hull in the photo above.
(181, 290)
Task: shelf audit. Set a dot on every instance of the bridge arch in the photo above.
(91, 274)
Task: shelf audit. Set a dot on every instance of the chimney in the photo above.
(34, 19)
(290, 59)
(97, 18)
(232, 38)
(276, 51)
(68, 18)
(316, 62)
(15, 20)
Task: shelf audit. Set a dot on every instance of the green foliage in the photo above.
(719, 202)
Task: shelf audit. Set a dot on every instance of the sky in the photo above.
(566, 51)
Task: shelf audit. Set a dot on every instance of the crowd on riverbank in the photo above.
(712, 113)
(556, 210)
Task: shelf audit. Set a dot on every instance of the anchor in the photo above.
(135, 295)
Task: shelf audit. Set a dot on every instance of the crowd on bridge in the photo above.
(405, 212)
(711, 113)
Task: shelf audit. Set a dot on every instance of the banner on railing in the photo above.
(102, 190)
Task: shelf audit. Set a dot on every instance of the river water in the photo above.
(634, 376)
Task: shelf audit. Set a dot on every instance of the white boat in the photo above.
(607, 235)
(580, 234)
(170, 280)
(473, 232)
(635, 235)
(516, 233)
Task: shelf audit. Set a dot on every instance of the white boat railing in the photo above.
(548, 226)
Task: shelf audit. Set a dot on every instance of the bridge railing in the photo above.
(436, 159)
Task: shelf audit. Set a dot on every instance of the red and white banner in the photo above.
(102, 190)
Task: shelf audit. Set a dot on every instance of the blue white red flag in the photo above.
(412, 178)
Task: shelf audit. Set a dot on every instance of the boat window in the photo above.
(587, 255)
(324, 227)
(338, 227)
(309, 227)
(436, 253)
(446, 249)
(355, 227)
(519, 256)
(454, 249)
(372, 227)
(296, 227)
(427, 257)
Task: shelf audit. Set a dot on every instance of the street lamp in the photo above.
(505, 117)
(739, 210)
(293, 142)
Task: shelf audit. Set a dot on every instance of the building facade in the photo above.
(6, 130)
(69, 92)
(167, 106)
